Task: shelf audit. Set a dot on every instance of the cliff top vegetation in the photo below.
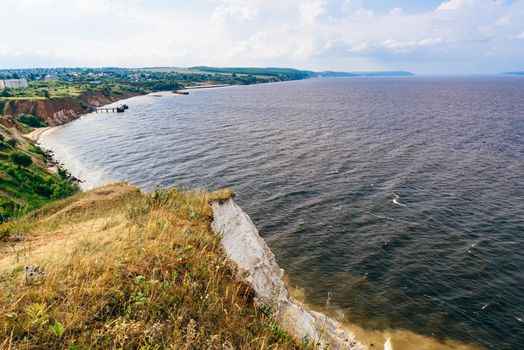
(115, 268)
(26, 182)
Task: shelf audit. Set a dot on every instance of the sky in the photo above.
(423, 36)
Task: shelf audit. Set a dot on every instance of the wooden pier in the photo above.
(119, 109)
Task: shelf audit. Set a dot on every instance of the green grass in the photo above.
(55, 89)
(26, 188)
(171, 70)
(287, 73)
(39, 90)
(32, 121)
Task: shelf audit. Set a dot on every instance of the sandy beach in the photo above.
(37, 133)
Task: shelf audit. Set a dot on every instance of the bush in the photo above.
(1, 138)
(7, 210)
(32, 120)
(20, 159)
(63, 189)
(11, 142)
(5, 228)
(44, 190)
(37, 150)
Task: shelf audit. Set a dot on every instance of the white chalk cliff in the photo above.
(247, 249)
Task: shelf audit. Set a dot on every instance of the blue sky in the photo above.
(426, 37)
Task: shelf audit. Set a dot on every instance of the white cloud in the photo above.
(396, 11)
(503, 21)
(313, 34)
(224, 13)
(351, 6)
(309, 11)
(396, 45)
(455, 4)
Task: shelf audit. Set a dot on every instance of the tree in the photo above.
(20, 159)
(46, 93)
(31, 120)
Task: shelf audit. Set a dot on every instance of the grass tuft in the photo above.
(220, 195)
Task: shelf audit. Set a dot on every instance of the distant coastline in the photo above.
(514, 73)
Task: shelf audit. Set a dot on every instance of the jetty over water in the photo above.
(119, 109)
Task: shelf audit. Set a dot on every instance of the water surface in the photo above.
(401, 198)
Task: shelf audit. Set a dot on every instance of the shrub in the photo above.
(63, 189)
(20, 159)
(37, 150)
(11, 142)
(1, 138)
(44, 190)
(32, 120)
(7, 210)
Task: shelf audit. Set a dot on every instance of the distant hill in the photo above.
(288, 73)
(366, 74)
(295, 74)
(513, 73)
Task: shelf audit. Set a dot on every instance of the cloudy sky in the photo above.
(423, 36)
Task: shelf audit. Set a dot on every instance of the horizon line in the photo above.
(509, 72)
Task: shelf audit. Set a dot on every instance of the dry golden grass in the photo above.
(220, 195)
(129, 271)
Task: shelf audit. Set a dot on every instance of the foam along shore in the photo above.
(210, 86)
(90, 177)
(36, 134)
(244, 246)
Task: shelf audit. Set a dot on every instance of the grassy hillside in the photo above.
(284, 73)
(296, 74)
(23, 188)
(130, 271)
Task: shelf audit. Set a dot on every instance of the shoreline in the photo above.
(199, 87)
(36, 134)
(69, 165)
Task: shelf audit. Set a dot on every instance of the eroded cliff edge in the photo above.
(244, 246)
(58, 111)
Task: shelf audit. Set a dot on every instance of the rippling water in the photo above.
(402, 197)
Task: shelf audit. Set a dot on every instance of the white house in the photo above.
(51, 77)
(13, 83)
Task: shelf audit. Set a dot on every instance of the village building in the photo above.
(51, 77)
(13, 83)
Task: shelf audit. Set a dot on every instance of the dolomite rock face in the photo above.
(247, 249)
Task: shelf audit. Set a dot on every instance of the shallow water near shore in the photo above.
(401, 198)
